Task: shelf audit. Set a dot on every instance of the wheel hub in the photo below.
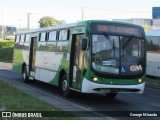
(64, 85)
(24, 76)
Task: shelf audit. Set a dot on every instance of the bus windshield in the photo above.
(118, 54)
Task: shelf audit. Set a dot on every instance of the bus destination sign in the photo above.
(116, 29)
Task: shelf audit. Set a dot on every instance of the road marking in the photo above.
(157, 105)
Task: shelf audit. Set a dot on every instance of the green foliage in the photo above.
(6, 44)
(49, 21)
(13, 99)
(22, 101)
(6, 55)
(6, 50)
(152, 82)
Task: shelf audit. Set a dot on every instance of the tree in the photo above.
(49, 21)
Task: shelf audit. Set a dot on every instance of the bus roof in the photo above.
(49, 28)
(78, 24)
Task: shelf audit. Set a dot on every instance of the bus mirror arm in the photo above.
(84, 44)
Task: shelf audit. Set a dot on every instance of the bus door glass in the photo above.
(32, 55)
(77, 58)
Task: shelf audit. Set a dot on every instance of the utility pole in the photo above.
(20, 24)
(28, 20)
(82, 13)
(2, 20)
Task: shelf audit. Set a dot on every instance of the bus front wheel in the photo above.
(64, 87)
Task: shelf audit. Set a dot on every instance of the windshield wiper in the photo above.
(128, 41)
(108, 38)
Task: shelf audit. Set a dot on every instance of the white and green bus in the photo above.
(93, 56)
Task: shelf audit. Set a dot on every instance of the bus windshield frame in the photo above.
(117, 54)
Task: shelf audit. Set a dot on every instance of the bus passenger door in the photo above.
(32, 55)
(76, 60)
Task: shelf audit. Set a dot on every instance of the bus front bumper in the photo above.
(92, 87)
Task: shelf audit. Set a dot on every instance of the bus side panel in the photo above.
(46, 67)
(18, 57)
(25, 53)
(49, 61)
(60, 60)
(17, 68)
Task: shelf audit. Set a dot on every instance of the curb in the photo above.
(5, 65)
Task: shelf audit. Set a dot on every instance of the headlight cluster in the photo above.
(140, 81)
(95, 79)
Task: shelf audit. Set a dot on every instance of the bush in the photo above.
(6, 44)
(6, 50)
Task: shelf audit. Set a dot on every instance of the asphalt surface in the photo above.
(98, 104)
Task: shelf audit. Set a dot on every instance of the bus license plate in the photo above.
(105, 90)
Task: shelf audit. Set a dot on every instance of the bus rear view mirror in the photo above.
(84, 44)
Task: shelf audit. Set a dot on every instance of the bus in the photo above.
(93, 56)
(8, 32)
(153, 53)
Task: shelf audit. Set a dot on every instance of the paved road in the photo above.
(149, 101)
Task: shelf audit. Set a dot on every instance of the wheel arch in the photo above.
(23, 65)
(61, 74)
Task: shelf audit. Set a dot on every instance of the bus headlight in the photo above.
(95, 79)
(140, 80)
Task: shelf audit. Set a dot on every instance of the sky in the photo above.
(14, 12)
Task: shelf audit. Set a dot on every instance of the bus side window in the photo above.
(17, 38)
(64, 35)
(43, 36)
(53, 36)
(42, 42)
(22, 38)
(27, 38)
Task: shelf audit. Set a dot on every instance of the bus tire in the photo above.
(24, 74)
(111, 95)
(64, 87)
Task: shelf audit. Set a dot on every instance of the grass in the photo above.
(12, 99)
(153, 82)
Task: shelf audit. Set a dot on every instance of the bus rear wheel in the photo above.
(111, 95)
(64, 87)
